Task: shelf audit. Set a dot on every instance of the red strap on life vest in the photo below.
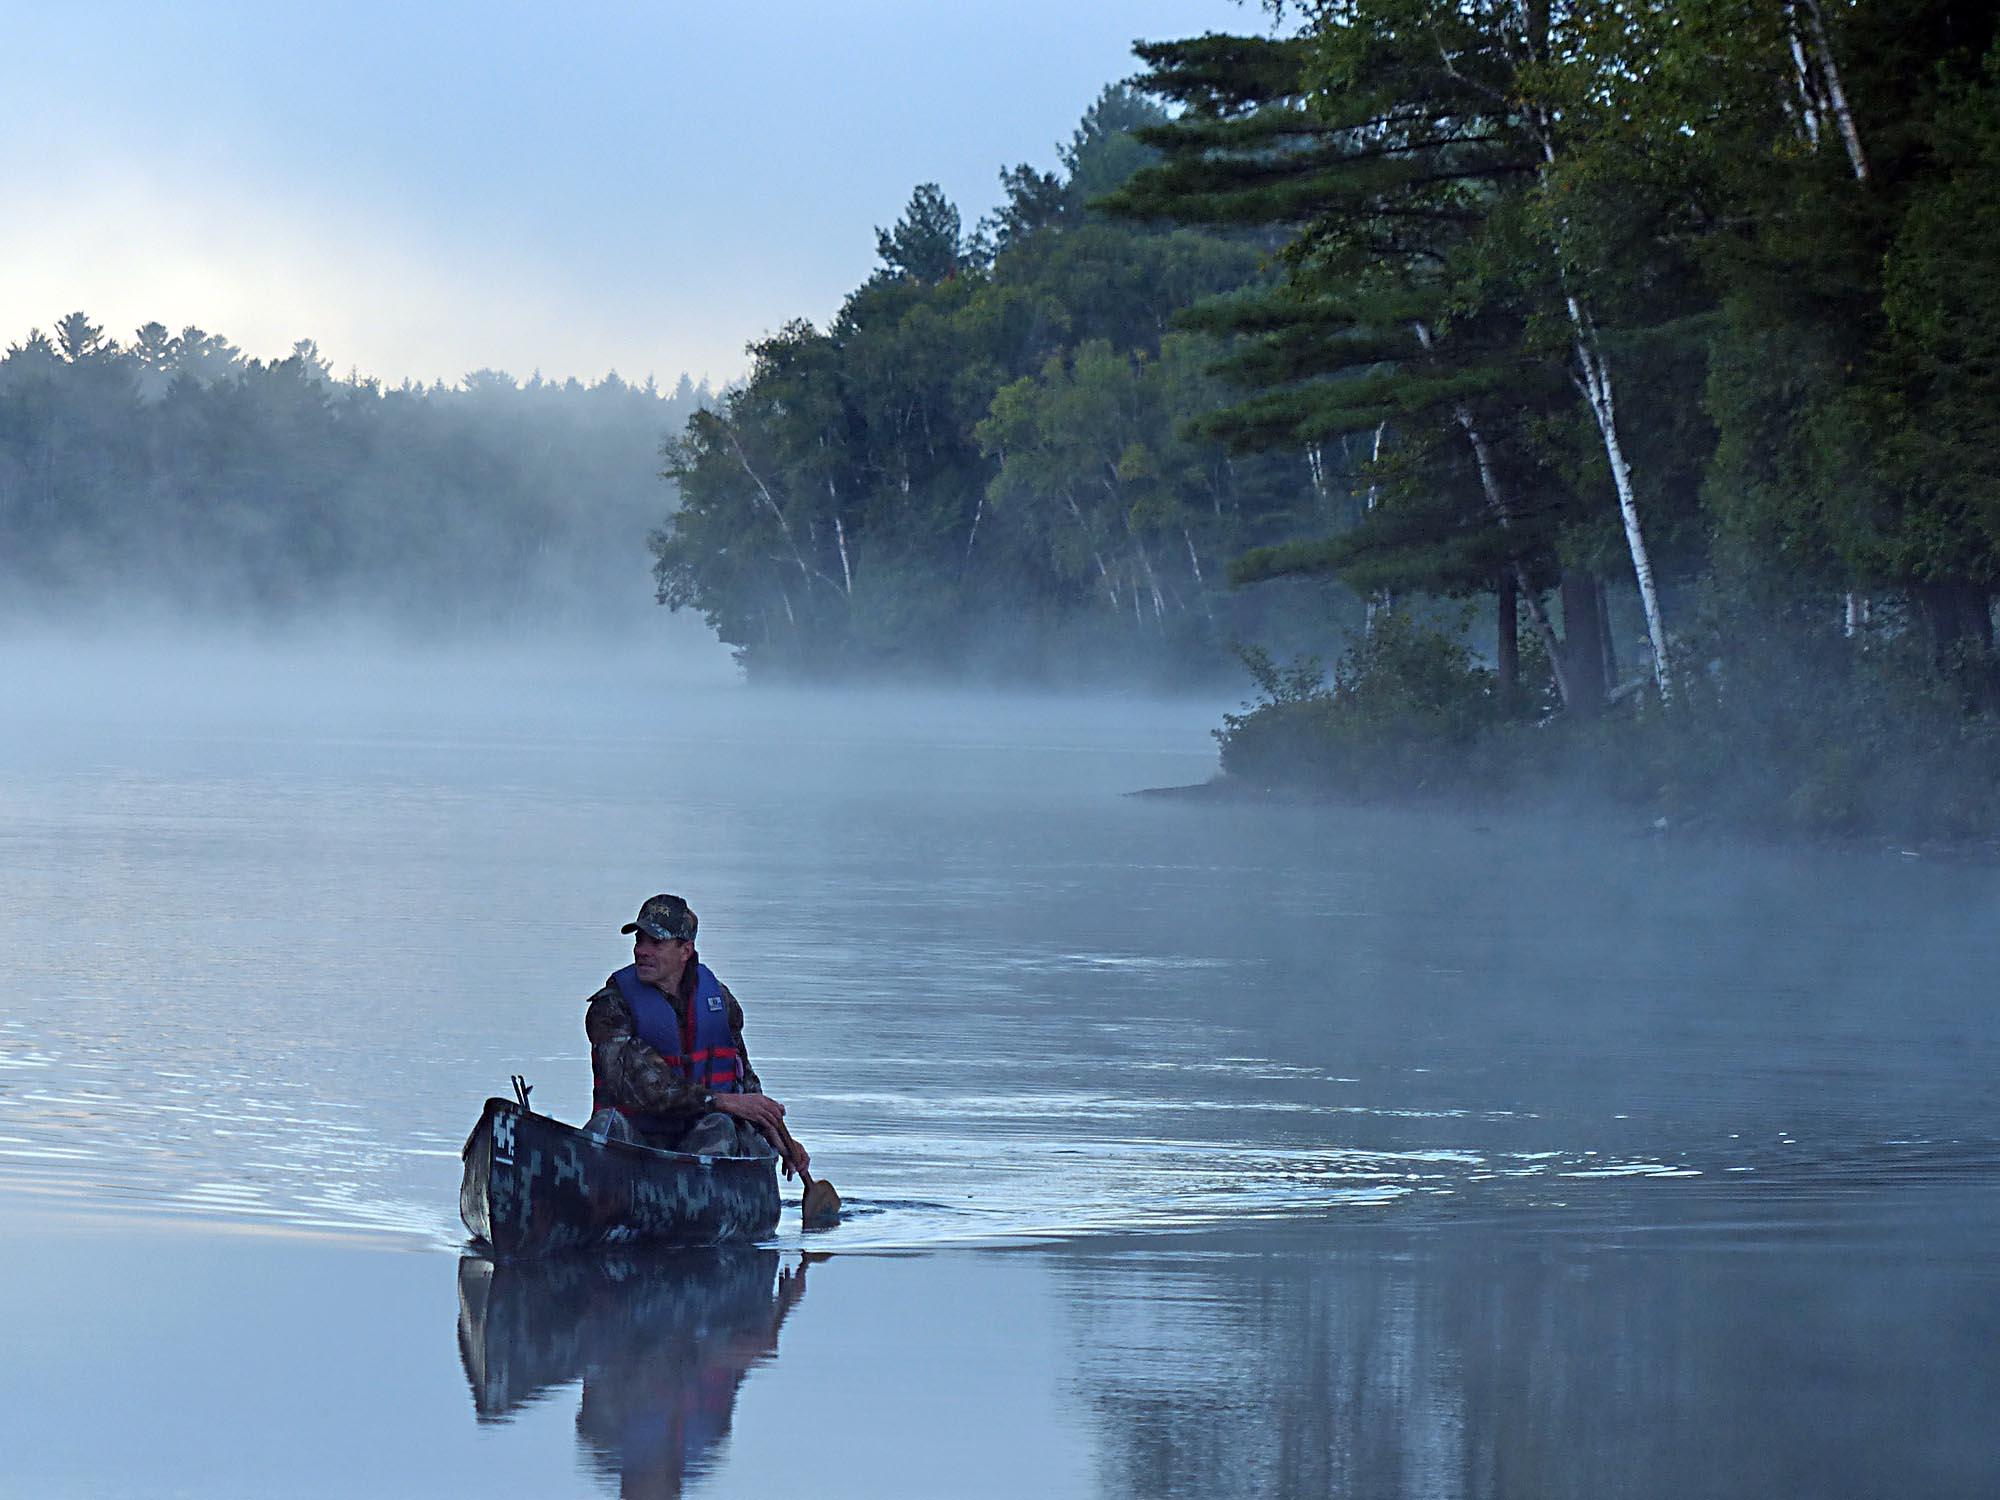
(719, 1064)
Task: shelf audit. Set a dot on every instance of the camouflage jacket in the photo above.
(636, 1075)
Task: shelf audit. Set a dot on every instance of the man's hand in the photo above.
(794, 1155)
(768, 1115)
(761, 1110)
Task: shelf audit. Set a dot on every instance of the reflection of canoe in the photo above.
(661, 1341)
(525, 1327)
(533, 1184)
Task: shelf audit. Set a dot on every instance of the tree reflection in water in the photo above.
(661, 1342)
(1570, 1363)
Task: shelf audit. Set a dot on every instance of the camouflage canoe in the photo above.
(533, 1185)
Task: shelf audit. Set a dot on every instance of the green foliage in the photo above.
(1396, 715)
(1807, 732)
(1774, 223)
(997, 452)
(1107, 148)
(1422, 318)
(927, 244)
(1941, 336)
(1036, 202)
(1302, 680)
(1849, 374)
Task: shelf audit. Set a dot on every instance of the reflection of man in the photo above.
(668, 1066)
(661, 1342)
(661, 1407)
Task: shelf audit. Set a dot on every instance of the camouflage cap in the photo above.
(664, 917)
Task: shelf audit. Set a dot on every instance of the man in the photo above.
(667, 1061)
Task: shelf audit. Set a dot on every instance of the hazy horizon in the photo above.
(608, 191)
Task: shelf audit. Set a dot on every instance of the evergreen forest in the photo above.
(1614, 381)
(169, 472)
(985, 464)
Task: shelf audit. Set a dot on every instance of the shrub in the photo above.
(1780, 724)
(1396, 714)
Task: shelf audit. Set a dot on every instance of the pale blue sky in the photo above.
(427, 188)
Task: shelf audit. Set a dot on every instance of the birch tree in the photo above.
(1390, 141)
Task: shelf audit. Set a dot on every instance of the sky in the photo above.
(428, 189)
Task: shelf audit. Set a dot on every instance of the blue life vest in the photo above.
(700, 1047)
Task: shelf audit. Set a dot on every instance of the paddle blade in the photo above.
(820, 1207)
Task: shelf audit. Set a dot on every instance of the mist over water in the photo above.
(1354, 1150)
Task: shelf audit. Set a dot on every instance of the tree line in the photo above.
(1660, 333)
(1570, 306)
(984, 460)
(1628, 291)
(1666, 328)
(172, 471)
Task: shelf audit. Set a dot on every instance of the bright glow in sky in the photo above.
(429, 188)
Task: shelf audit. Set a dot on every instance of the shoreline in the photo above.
(1226, 790)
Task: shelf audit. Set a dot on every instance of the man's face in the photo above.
(659, 961)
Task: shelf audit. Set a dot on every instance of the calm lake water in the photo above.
(1190, 1149)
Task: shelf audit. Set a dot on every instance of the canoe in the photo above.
(534, 1185)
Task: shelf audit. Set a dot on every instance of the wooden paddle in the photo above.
(820, 1207)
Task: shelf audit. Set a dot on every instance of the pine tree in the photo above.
(927, 244)
(1367, 336)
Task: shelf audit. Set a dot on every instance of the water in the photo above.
(1189, 1149)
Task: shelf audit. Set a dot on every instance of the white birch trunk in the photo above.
(1200, 583)
(1103, 573)
(1836, 96)
(1153, 585)
(978, 510)
(1802, 75)
(1594, 380)
(846, 572)
(1379, 603)
(770, 500)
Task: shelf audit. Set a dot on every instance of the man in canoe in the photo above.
(667, 1062)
